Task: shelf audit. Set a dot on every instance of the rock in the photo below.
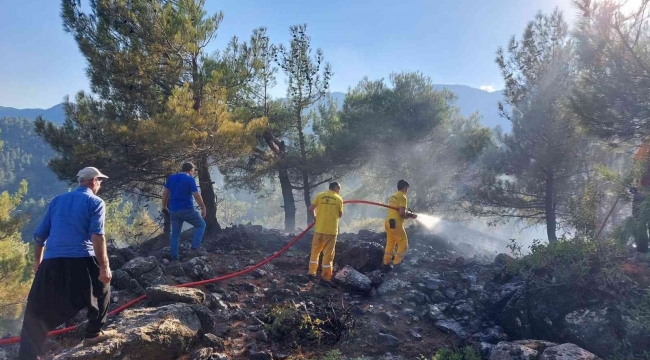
(134, 287)
(451, 326)
(437, 296)
(262, 336)
(139, 266)
(353, 280)
(416, 297)
(206, 318)
(3, 355)
(436, 311)
(202, 354)
(362, 256)
(450, 293)
(388, 340)
(152, 278)
(392, 286)
(492, 335)
(163, 293)
(248, 287)
(377, 278)
(567, 352)
(213, 341)
(503, 260)
(511, 351)
(258, 273)
(262, 355)
(198, 269)
(116, 259)
(120, 279)
(486, 350)
(219, 356)
(215, 303)
(166, 332)
(593, 328)
(435, 285)
(175, 269)
(415, 334)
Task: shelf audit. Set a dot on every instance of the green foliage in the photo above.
(127, 225)
(15, 273)
(538, 167)
(333, 355)
(466, 353)
(579, 265)
(611, 99)
(290, 324)
(230, 210)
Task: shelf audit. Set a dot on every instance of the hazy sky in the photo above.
(453, 41)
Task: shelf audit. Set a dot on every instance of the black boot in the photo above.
(386, 268)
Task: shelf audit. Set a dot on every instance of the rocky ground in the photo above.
(443, 295)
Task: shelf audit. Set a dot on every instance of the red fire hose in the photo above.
(16, 339)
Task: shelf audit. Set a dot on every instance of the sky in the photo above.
(452, 41)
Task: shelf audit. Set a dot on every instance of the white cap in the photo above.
(90, 173)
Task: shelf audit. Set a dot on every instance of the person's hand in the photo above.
(105, 274)
(165, 210)
(203, 213)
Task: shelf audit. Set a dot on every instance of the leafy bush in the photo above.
(467, 353)
(581, 265)
(333, 355)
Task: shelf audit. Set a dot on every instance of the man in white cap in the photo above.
(73, 272)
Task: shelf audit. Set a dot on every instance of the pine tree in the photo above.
(15, 274)
(158, 99)
(533, 172)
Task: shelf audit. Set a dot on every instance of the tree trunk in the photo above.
(209, 198)
(549, 207)
(307, 197)
(305, 175)
(289, 202)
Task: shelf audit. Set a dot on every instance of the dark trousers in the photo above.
(62, 287)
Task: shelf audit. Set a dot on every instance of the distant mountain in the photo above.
(470, 100)
(54, 114)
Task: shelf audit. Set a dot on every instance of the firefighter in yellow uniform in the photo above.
(394, 225)
(328, 209)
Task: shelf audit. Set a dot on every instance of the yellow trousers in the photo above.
(395, 238)
(322, 243)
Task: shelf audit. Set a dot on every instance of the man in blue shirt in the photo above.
(73, 272)
(179, 190)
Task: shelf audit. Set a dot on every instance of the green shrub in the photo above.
(466, 353)
(580, 265)
(333, 355)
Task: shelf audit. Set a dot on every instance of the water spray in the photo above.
(428, 221)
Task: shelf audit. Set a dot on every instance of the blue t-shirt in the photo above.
(181, 186)
(69, 223)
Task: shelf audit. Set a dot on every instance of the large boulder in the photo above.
(353, 280)
(450, 326)
(153, 277)
(163, 293)
(140, 265)
(513, 351)
(593, 328)
(362, 256)
(166, 332)
(198, 268)
(392, 286)
(567, 352)
(120, 279)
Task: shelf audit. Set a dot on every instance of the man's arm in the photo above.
(312, 208)
(165, 200)
(38, 255)
(199, 200)
(99, 245)
(97, 222)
